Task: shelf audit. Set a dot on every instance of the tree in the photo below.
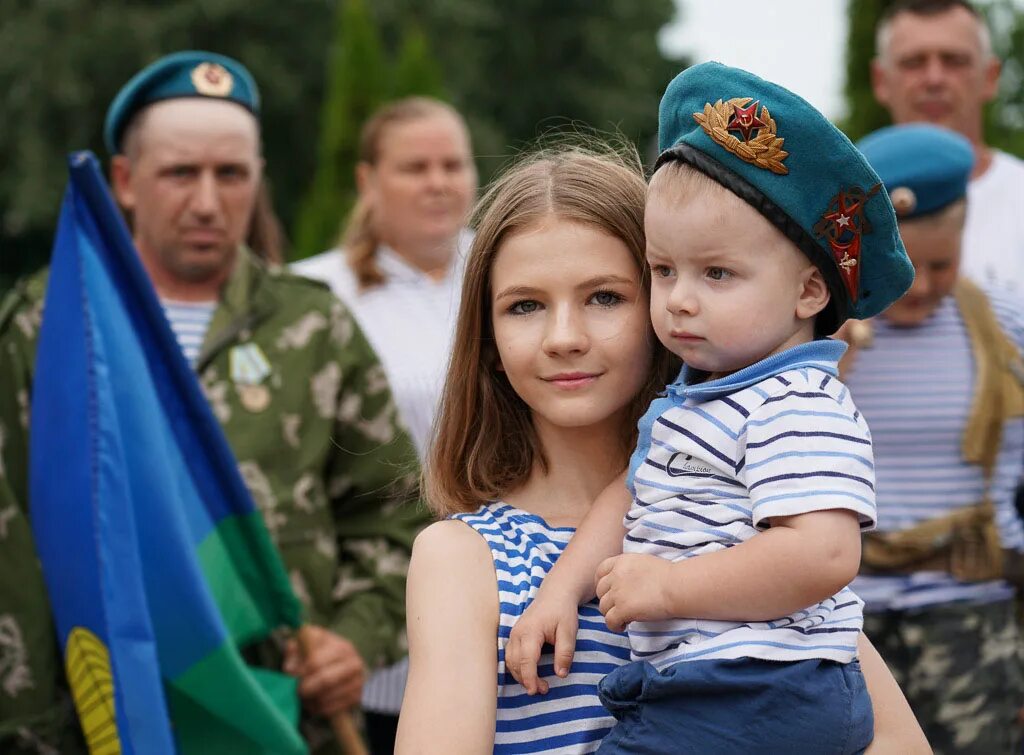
(515, 71)
(358, 80)
(360, 77)
(417, 71)
(1004, 120)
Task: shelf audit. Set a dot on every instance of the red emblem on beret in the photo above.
(843, 224)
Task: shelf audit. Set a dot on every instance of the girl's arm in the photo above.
(896, 729)
(452, 621)
(551, 617)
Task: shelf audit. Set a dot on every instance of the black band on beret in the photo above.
(836, 311)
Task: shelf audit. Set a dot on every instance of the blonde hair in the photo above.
(359, 237)
(680, 182)
(485, 444)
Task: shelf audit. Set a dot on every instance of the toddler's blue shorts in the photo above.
(744, 705)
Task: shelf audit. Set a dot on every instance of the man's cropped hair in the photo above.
(925, 8)
(929, 8)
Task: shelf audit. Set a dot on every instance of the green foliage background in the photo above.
(514, 69)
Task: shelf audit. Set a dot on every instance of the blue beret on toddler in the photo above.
(777, 152)
(190, 73)
(925, 168)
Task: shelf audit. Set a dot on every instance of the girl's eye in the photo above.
(524, 307)
(661, 271)
(606, 298)
(718, 273)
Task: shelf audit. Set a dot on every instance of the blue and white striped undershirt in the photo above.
(569, 718)
(915, 387)
(716, 461)
(189, 320)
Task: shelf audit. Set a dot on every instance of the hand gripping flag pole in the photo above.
(342, 723)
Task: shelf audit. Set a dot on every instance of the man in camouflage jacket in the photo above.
(317, 441)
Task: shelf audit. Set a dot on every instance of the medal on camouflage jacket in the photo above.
(249, 369)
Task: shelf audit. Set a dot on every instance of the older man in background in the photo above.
(300, 394)
(935, 63)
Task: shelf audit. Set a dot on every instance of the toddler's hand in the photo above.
(547, 619)
(631, 588)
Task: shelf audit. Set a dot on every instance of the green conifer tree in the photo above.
(357, 82)
(361, 77)
(417, 71)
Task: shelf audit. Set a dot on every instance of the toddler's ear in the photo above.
(814, 294)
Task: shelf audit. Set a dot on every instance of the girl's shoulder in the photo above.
(450, 540)
(448, 553)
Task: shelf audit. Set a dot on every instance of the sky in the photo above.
(797, 43)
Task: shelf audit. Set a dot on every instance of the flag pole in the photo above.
(342, 723)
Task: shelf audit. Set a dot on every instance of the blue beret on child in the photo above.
(775, 151)
(924, 167)
(190, 73)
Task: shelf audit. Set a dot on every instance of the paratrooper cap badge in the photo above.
(763, 148)
(212, 80)
(904, 200)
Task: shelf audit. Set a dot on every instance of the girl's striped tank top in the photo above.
(569, 718)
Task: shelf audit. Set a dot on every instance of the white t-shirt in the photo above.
(994, 237)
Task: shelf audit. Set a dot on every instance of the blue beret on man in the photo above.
(777, 152)
(190, 73)
(925, 168)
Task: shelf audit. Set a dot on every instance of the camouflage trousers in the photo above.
(960, 668)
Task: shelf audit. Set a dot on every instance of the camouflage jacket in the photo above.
(317, 442)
